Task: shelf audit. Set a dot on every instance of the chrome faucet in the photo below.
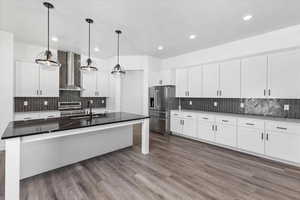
(90, 106)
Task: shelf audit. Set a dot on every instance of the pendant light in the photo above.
(46, 57)
(117, 69)
(89, 67)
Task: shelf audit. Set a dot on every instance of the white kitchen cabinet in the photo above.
(184, 124)
(33, 80)
(225, 130)
(284, 70)
(254, 77)
(251, 139)
(230, 79)
(89, 84)
(26, 116)
(210, 80)
(181, 82)
(27, 79)
(49, 82)
(206, 131)
(195, 82)
(189, 125)
(102, 84)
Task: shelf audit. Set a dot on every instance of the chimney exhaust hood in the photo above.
(69, 72)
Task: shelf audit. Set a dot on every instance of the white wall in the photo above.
(286, 38)
(132, 92)
(6, 81)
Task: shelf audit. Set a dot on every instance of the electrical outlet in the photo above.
(102, 101)
(242, 105)
(215, 104)
(45, 103)
(286, 107)
(25, 103)
(91, 101)
(191, 103)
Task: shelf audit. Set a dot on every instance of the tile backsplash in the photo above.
(32, 104)
(264, 107)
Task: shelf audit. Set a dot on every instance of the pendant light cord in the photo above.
(48, 45)
(89, 40)
(118, 48)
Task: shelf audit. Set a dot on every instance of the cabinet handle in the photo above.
(267, 137)
(224, 120)
(41, 92)
(217, 92)
(204, 118)
(264, 92)
(220, 92)
(216, 127)
(51, 116)
(212, 127)
(37, 92)
(188, 116)
(281, 128)
(182, 122)
(250, 124)
(27, 117)
(269, 92)
(262, 136)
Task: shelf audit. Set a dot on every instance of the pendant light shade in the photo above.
(118, 69)
(45, 58)
(88, 67)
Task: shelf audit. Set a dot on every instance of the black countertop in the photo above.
(42, 126)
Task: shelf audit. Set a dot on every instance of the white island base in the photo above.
(32, 155)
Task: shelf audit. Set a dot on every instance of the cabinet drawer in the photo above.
(206, 118)
(283, 127)
(189, 115)
(176, 114)
(251, 123)
(224, 120)
(26, 116)
(46, 115)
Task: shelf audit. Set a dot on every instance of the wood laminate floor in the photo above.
(176, 168)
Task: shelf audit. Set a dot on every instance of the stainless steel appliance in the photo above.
(161, 101)
(70, 108)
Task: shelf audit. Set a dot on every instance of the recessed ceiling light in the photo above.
(192, 36)
(96, 49)
(54, 39)
(160, 47)
(247, 17)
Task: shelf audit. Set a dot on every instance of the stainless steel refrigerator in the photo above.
(161, 101)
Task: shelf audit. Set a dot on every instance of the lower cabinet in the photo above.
(273, 139)
(184, 124)
(251, 139)
(226, 135)
(23, 116)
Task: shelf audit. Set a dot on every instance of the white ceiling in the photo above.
(146, 23)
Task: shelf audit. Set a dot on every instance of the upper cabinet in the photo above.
(163, 77)
(254, 77)
(95, 84)
(189, 82)
(230, 79)
(284, 73)
(33, 80)
(182, 83)
(211, 80)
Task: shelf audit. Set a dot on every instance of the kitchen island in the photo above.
(36, 146)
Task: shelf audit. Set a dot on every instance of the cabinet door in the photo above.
(190, 126)
(49, 81)
(254, 77)
(210, 80)
(230, 79)
(195, 82)
(176, 125)
(251, 139)
(283, 145)
(102, 84)
(284, 70)
(167, 77)
(205, 131)
(181, 82)
(226, 135)
(27, 79)
(89, 82)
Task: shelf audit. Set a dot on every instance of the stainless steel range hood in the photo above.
(70, 73)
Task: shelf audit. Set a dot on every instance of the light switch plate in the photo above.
(45, 103)
(286, 107)
(25, 103)
(102, 101)
(215, 104)
(191, 103)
